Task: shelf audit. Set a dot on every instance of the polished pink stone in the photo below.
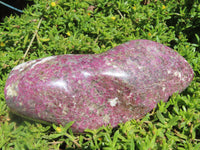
(121, 84)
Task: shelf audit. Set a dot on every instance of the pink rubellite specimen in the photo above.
(121, 84)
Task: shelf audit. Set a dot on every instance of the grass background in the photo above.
(94, 26)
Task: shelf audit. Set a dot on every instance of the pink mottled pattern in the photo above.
(93, 90)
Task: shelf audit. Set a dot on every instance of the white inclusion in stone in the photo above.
(106, 118)
(86, 74)
(140, 67)
(163, 89)
(168, 71)
(130, 95)
(115, 73)
(20, 103)
(183, 79)
(79, 82)
(114, 66)
(177, 74)
(43, 60)
(113, 102)
(65, 110)
(108, 62)
(20, 67)
(12, 89)
(60, 84)
(60, 105)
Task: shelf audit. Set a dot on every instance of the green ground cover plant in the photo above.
(93, 26)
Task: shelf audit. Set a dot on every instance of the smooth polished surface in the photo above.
(93, 90)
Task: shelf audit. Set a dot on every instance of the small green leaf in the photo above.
(44, 39)
(67, 126)
(160, 117)
(115, 138)
(173, 121)
(132, 145)
(26, 40)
